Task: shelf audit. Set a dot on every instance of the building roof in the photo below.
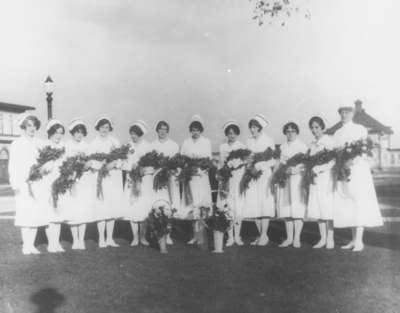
(363, 118)
(17, 108)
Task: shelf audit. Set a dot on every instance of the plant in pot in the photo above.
(219, 222)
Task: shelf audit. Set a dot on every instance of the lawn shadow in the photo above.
(47, 300)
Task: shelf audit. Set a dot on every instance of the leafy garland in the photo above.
(116, 154)
(235, 160)
(36, 172)
(71, 171)
(251, 172)
(349, 152)
(320, 158)
(281, 175)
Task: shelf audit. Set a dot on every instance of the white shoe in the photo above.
(263, 241)
(330, 245)
(349, 246)
(169, 240)
(192, 241)
(285, 244)
(34, 251)
(358, 247)
(59, 248)
(52, 249)
(230, 242)
(255, 242)
(319, 245)
(31, 250)
(134, 242)
(144, 242)
(112, 243)
(239, 241)
(215, 251)
(102, 244)
(81, 246)
(75, 246)
(297, 244)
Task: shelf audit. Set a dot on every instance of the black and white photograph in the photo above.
(208, 156)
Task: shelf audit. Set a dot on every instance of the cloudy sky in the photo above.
(171, 59)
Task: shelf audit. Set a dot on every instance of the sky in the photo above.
(168, 60)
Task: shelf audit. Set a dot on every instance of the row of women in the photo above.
(350, 203)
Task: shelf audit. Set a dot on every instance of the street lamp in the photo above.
(49, 88)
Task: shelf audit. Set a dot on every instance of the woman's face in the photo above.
(104, 130)
(255, 131)
(162, 132)
(291, 134)
(231, 135)
(195, 132)
(135, 137)
(57, 136)
(78, 136)
(316, 130)
(346, 116)
(30, 128)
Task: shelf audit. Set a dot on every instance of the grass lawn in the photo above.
(189, 279)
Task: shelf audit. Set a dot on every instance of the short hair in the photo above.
(255, 123)
(80, 128)
(291, 125)
(53, 129)
(33, 119)
(102, 122)
(161, 124)
(196, 125)
(235, 129)
(136, 129)
(318, 120)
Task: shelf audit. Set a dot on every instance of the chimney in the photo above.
(358, 105)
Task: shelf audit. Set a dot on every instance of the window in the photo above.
(1, 123)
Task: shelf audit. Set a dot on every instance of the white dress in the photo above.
(291, 202)
(355, 202)
(23, 154)
(137, 208)
(168, 148)
(78, 203)
(200, 184)
(320, 199)
(258, 198)
(110, 207)
(234, 199)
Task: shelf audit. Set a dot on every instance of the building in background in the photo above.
(383, 156)
(9, 130)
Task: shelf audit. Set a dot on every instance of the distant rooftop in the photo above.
(17, 108)
(362, 118)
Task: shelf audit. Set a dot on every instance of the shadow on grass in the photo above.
(47, 300)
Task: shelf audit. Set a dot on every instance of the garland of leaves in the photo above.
(349, 152)
(71, 171)
(120, 153)
(46, 154)
(251, 172)
(320, 158)
(281, 175)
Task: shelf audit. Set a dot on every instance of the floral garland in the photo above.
(320, 158)
(220, 220)
(71, 171)
(190, 169)
(252, 173)
(46, 154)
(167, 167)
(281, 175)
(235, 160)
(349, 152)
(116, 154)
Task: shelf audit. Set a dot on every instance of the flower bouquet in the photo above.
(159, 223)
(220, 221)
(47, 155)
(347, 154)
(282, 174)
(253, 172)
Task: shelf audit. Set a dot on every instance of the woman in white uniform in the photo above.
(169, 148)
(42, 189)
(106, 209)
(291, 202)
(79, 201)
(355, 202)
(233, 198)
(197, 146)
(320, 198)
(23, 153)
(139, 205)
(258, 198)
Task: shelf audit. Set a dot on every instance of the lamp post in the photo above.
(49, 88)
